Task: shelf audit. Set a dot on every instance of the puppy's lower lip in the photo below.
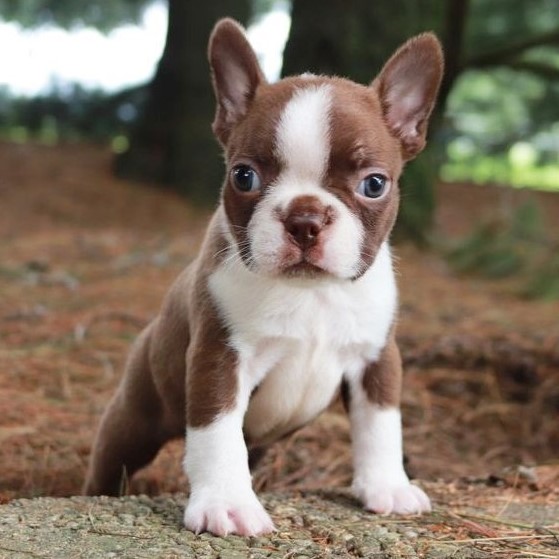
(303, 268)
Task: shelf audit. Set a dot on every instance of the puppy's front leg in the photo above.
(221, 500)
(380, 481)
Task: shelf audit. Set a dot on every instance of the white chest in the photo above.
(297, 339)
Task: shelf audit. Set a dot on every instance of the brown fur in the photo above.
(211, 385)
(382, 380)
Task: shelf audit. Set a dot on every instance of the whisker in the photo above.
(222, 251)
(235, 248)
(239, 227)
(233, 258)
(240, 254)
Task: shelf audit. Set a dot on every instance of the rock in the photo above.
(309, 525)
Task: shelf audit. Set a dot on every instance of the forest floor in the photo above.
(85, 260)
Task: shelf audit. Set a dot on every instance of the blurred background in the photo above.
(108, 172)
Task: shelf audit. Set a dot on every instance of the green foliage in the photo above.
(514, 244)
(490, 115)
(507, 96)
(502, 128)
(497, 169)
(103, 14)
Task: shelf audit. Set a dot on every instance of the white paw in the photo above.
(403, 498)
(223, 515)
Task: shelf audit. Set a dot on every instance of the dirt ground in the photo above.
(85, 260)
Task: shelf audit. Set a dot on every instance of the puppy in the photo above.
(292, 294)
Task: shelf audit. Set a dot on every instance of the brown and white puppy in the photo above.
(292, 294)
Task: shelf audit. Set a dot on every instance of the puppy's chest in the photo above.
(295, 342)
(296, 379)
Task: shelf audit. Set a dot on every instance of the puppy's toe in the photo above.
(399, 499)
(222, 516)
(251, 521)
(410, 499)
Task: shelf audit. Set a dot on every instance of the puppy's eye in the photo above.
(245, 178)
(373, 186)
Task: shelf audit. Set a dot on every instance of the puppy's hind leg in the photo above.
(132, 429)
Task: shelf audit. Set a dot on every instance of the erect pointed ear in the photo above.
(407, 87)
(235, 74)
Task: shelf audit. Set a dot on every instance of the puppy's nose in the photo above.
(305, 228)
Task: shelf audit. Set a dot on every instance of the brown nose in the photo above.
(304, 229)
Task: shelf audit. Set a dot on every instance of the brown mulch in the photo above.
(85, 260)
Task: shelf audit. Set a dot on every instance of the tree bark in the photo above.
(172, 143)
(453, 42)
(318, 36)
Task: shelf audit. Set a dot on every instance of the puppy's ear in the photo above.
(407, 87)
(235, 74)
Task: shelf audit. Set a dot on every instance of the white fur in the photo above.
(296, 338)
(303, 147)
(221, 497)
(303, 133)
(379, 477)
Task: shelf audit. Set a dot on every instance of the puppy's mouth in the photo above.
(301, 263)
(303, 269)
(290, 263)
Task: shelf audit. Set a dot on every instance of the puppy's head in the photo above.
(313, 162)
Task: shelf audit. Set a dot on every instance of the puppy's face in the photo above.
(311, 182)
(313, 162)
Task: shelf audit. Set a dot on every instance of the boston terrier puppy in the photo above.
(292, 294)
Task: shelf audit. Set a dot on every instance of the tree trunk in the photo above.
(317, 38)
(453, 43)
(172, 143)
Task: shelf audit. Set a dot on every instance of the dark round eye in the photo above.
(245, 178)
(373, 186)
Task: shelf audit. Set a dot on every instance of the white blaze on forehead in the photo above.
(303, 133)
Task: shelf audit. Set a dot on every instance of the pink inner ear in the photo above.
(235, 96)
(406, 109)
(407, 87)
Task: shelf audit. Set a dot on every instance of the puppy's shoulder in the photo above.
(189, 292)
